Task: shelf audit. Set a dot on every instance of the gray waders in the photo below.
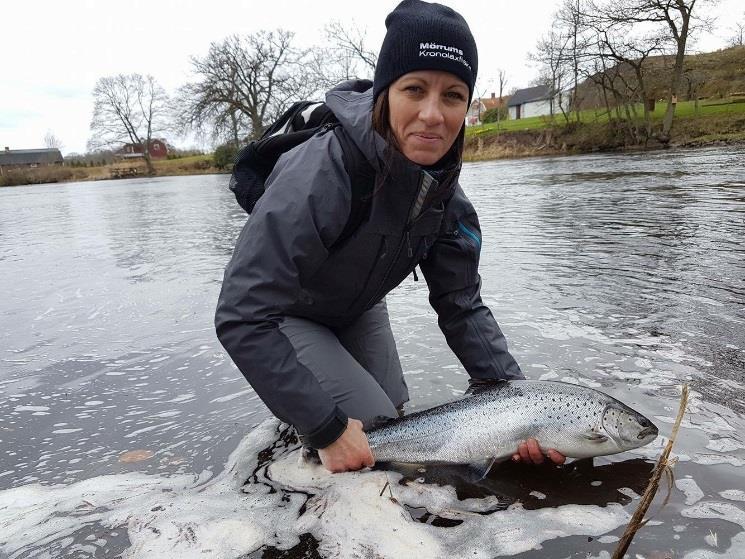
(358, 365)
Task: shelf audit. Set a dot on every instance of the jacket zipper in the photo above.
(406, 240)
(387, 273)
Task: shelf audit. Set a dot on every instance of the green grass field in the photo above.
(683, 109)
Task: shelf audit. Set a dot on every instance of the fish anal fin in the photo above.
(481, 468)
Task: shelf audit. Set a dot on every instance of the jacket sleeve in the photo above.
(451, 271)
(301, 213)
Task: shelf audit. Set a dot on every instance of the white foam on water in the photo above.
(223, 399)
(187, 516)
(188, 397)
(720, 511)
(714, 459)
(691, 489)
(733, 494)
(714, 426)
(31, 408)
(725, 444)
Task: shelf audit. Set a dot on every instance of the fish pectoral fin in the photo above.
(594, 436)
(480, 469)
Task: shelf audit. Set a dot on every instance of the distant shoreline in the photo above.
(517, 150)
(507, 145)
(720, 122)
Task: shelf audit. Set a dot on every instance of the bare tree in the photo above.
(693, 79)
(128, 108)
(630, 55)
(671, 20)
(552, 54)
(52, 142)
(738, 34)
(345, 56)
(502, 81)
(243, 83)
(572, 19)
(350, 39)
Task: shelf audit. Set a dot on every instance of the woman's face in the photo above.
(427, 110)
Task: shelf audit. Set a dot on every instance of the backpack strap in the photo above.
(254, 163)
(362, 178)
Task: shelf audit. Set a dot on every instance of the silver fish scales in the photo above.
(489, 425)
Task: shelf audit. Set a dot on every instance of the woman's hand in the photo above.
(348, 452)
(531, 453)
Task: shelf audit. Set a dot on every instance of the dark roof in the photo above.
(30, 156)
(537, 93)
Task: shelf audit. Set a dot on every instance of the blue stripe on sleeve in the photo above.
(466, 231)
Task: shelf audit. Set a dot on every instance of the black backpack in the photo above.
(300, 122)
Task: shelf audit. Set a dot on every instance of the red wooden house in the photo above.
(158, 150)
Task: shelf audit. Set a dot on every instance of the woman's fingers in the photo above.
(349, 452)
(523, 451)
(530, 452)
(536, 456)
(556, 457)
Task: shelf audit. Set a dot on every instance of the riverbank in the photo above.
(714, 124)
(193, 165)
(720, 123)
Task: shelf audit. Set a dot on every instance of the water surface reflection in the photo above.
(623, 272)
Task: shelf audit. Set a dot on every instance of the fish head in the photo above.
(627, 427)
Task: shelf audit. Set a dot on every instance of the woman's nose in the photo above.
(430, 112)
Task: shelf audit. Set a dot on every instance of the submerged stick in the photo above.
(663, 465)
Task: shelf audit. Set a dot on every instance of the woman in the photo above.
(306, 324)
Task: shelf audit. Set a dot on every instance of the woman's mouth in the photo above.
(427, 138)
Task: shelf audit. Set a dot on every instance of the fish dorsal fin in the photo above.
(378, 422)
(594, 437)
(478, 385)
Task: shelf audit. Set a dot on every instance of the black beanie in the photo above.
(424, 36)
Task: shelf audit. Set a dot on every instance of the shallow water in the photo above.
(622, 272)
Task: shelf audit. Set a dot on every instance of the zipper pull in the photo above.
(416, 278)
(408, 245)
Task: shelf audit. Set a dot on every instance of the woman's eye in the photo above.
(456, 95)
(414, 88)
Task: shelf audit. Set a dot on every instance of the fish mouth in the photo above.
(646, 432)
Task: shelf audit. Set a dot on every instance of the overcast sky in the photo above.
(54, 51)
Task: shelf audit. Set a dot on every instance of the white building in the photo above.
(536, 101)
(480, 106)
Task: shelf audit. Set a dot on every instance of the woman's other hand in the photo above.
(349, 452)
(530, 452)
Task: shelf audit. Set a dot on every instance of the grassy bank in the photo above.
(721, 121)
(194, 165)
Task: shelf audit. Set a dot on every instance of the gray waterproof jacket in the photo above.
(283, 265)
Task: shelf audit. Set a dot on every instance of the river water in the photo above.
(623, 272)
